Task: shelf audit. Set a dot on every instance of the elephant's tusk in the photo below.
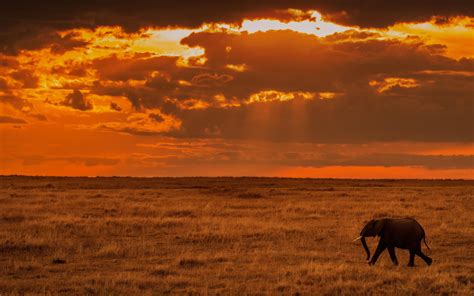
(357, 238)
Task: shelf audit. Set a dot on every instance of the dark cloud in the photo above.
(32, 24)
(67, 42)
(134, 100)
(115, 107)
(371, 13)
(437, 106)
(352, 35)
(21, 105)
(156, 117)
(16, 102)
(9, 119)
(290, 61)
(139, 13)
(3, 84)
(211, 80)
(32, 36)
(8, 62)
(71, 68)
(38, 116)
(135, 67)
(77, 101)
(26, 77)
(343, 120)
(131, 130)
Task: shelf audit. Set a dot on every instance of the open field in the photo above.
(102, 236)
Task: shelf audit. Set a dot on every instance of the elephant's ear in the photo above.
(378, 227)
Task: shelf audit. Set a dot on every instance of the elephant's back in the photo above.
(408, 221)
(411, 222)
(407, 232)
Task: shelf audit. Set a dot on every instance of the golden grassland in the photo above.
(206, 236)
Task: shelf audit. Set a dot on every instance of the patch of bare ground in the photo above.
(227, 236)
(250, 195)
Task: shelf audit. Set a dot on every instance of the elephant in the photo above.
(404, 233)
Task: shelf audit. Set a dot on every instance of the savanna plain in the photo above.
(227, 236)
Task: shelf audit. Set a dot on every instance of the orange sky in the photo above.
(268, 91)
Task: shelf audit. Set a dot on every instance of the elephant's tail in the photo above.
(424, 240)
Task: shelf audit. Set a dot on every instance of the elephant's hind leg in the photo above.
(425, 258)
(411, 263)
(391, 251)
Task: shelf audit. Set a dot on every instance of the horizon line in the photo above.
(228, 176)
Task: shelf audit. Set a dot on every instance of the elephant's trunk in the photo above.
(364, 244)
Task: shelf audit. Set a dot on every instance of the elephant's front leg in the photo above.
(380, 248)
(391, 251)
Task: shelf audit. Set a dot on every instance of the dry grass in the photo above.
(226, 236)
